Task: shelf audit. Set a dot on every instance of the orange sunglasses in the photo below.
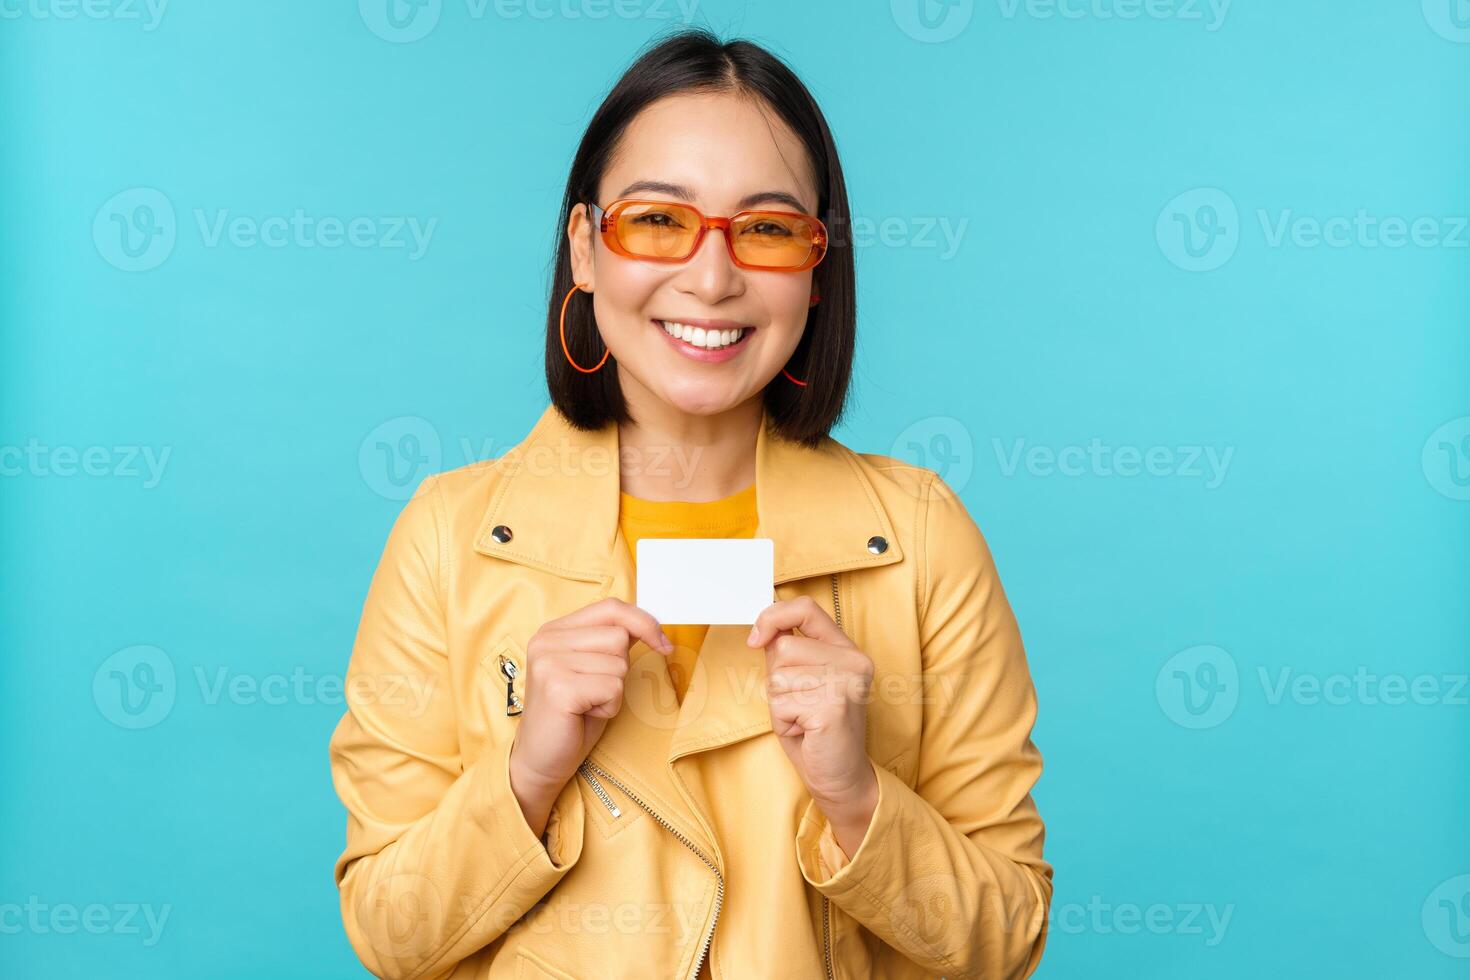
(664, 231)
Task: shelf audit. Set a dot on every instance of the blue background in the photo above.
(1101, 289)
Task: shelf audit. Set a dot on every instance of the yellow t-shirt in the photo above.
(729, 517)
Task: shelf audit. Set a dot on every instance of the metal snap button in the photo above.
(877, 545)
(502, 533)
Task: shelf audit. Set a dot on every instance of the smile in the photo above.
(702, 344)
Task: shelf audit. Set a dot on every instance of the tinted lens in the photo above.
(657, 231)
(773, 239)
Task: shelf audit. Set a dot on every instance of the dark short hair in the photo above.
(695, 60)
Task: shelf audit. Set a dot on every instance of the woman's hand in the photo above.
(575, 667)
(817, 684)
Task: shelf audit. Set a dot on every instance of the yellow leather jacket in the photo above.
(687, 836)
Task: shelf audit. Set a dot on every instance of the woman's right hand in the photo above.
(575, 667)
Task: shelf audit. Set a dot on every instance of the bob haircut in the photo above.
(695, 60)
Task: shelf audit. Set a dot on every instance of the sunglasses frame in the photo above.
(607, 225)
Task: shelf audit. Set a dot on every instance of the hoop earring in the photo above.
(562, 331)
(789, 375)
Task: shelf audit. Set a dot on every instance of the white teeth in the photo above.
(700, 337)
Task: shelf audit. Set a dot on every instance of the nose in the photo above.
(709, 274)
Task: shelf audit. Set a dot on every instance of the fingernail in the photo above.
(668, 643)
(750, 640)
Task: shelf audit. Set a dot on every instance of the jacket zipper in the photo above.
(601, 793)
(590, 772)
(826, 902)
(508, 670)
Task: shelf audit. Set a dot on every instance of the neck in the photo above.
(669, 454)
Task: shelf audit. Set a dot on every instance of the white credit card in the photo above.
(706, 581)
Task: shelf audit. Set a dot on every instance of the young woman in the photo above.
(577, 791)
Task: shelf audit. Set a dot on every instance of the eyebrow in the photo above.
(684, 194)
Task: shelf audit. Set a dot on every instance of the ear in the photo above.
(580, 232)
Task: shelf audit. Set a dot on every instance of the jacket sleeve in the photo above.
(439, 859)
(950, 872)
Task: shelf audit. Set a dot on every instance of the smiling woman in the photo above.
(841, 788)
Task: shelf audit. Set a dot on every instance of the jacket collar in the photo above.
(558, 495)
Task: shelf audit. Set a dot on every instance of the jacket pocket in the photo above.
(529, 966)
(611, 815)
(899, 764)
(504, 666)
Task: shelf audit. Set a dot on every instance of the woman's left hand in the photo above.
(817, 683)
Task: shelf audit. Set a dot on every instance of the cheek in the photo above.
(624, 292)
(787, 294)
(786, 299)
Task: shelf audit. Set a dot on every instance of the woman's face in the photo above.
(722, 154)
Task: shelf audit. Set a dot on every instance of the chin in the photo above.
(700, 398)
